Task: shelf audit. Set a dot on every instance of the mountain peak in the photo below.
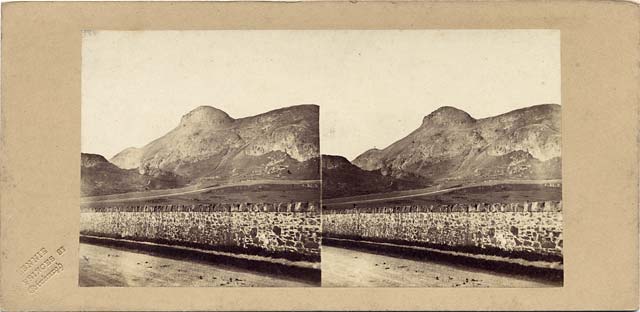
(450, 144)
(279, 144)
(447, 115)
(206, 115)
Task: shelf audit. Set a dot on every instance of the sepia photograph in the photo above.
(190, 177)
(344, 158)
(445, 168)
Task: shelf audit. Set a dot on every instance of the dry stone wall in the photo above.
(286, 230)
(507, 228)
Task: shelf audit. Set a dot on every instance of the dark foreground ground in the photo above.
(106, 266)
(356, 268)
(115, 267)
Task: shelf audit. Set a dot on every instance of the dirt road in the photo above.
(103, 266)
(350, 268)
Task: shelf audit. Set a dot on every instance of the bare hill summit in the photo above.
(452, 145)
(209, 144)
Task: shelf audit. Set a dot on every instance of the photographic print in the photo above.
(343, 158)
(190, 175)
(445, 168)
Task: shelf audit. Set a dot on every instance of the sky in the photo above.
(373, 86)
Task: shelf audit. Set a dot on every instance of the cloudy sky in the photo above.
(373, 86)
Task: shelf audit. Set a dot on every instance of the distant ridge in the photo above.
(100, 177)
(341, 178)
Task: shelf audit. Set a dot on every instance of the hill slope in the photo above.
(452, 145)
(209, 144)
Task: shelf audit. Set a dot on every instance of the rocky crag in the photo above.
(450, 144)
(208, 145)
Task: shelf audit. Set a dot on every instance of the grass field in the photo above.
(263, 191)
(309, 190)
(504, 192)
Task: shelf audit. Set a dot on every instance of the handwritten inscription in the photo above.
(40, 268)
